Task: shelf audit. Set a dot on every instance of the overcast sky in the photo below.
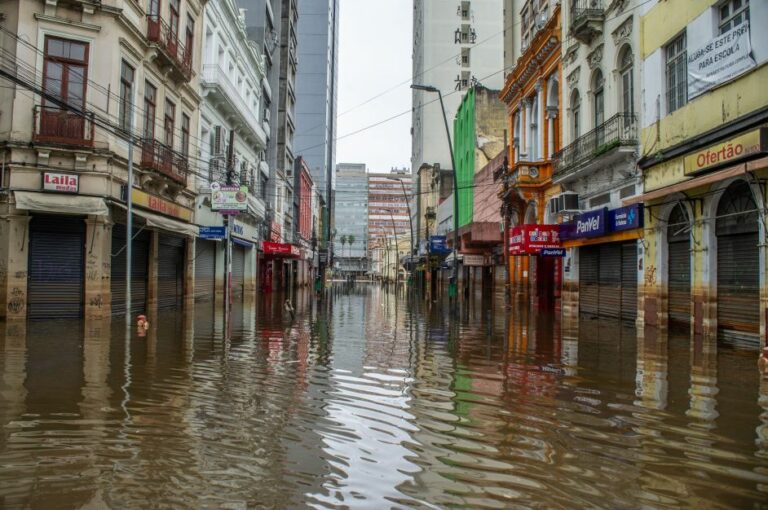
(374, 56)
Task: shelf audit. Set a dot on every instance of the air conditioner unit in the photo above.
(568, 201)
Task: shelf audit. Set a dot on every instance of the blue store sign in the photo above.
(439, 245)
(589, 224)
(552, 252)
(627, 218)
(213, 233)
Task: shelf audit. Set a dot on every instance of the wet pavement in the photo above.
(373, 400)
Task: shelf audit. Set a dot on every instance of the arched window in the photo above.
(626, 72)
(598, 92)
(737, 210)
(575, 115)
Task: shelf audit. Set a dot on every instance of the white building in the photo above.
(233, 139)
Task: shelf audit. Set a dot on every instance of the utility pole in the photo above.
(228, 234)
(129, 222)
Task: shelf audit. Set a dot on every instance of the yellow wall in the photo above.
(704, 113)
(666, 19)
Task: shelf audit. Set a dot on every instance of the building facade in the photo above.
(703, 167)
(351, 218)
(85, 78)
(597, 167)
(532, 96)
(388, 206)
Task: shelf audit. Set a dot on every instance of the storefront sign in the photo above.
(228, 198)
(280, 249)
(626, 218)
(586, 224)
(161, 205)
(531, 239)
(473, 260)
(213, 233)
(552, 252)
(753, 142)
(63, 183)
(237, 229)
(719, 60)
(439, 245)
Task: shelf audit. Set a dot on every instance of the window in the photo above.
(127, 74)
(626, 72)
(173, 22)
(189, 40)
(185, 134)
(66, 70)
(598, 92)
(170, 115)
(576, 114)
(733, 13)
(150, 106)
(154, 8)
(465, 57)
(677, 77)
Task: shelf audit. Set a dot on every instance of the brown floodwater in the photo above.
(374, 400)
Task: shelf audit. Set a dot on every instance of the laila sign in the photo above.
(63, 183)
(740, 147)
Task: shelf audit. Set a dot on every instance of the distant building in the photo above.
(388, 205)
(351, 218)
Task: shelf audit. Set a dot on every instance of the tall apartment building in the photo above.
(316, 89)
(351, 217)
(388, 207)
(454, 44)
(83, 74)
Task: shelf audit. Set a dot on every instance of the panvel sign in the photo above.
(532, 239)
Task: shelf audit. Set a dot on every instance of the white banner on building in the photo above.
(719, 60)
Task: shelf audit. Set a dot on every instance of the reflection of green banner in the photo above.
(229, 198)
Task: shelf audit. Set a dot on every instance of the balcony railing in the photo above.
(55, 125)
(164, 160)
(159, 32)
(586, 19)
(214, 75)
(618, 131)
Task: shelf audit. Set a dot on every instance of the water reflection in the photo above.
(372, 399)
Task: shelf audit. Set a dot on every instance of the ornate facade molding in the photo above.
(570, 54)
(573, 78)
(624, 31)
(595, 57)
(617, 5)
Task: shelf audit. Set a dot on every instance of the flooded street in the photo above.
(371, 400)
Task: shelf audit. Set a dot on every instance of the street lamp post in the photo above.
(455, 278)
(410, 219)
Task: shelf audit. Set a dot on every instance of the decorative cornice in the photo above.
(571, 54)
(617, 5)
(67, 22)
(624, 31)
(595, 57)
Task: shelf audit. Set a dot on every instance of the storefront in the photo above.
(277, 266)
(139, 269)
(601, 265)
(542, 247)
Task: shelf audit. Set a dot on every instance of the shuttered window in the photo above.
(139, 271)
(589, 259)
(170, 272)
(679, 269)
(238, 270)
(205, 270)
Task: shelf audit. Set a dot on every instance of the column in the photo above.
(527, 127)
(14, 256)
(152, 290)
(541, 88)
(98, 268)
(190, 250)
(551, 115)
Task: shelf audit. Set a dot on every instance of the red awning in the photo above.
(531, 239)
(280, 250)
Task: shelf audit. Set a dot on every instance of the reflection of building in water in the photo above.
(651, 380)
(703, 390)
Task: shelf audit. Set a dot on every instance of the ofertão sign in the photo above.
(729, 151)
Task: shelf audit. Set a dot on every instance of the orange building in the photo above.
(532, 95)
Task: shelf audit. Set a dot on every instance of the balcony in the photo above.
(530, 174)
(216, 83)
(171, 51)
(613, 138)
(163, 160)
(587, 18)
(52, 124)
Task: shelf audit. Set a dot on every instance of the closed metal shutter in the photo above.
(738, 288)
(609, 278)
(629, 281)
(589, 262)
(738, 273)
(139, 271)
(679, 283)
(238, 270)
(205, 270)
(56, 276)
(170, 272)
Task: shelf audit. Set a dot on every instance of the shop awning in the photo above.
(720, 175)
(242, 242)
(59, 203)
(171, 225)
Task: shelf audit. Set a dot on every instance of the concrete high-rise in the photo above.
(316, 89)
(351, 217)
